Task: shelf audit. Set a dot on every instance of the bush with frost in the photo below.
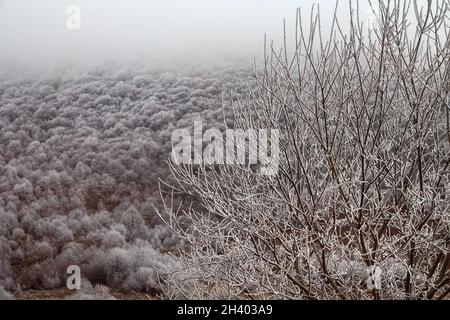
(90, 292)
(361, 169)
(119, 264)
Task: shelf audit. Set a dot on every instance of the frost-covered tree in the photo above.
(363, 177)
(134, 223)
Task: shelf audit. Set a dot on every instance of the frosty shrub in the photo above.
(89, 292)
(364, 170)
(137, 268)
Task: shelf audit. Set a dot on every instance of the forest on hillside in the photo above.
(82, 152)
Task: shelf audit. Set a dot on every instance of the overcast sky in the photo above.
(35, 31)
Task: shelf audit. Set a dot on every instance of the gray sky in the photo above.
(34, 32)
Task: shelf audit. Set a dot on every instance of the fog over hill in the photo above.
(87, 117)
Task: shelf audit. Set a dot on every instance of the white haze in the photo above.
(34, 32)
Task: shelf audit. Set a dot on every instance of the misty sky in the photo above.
(34, 31)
